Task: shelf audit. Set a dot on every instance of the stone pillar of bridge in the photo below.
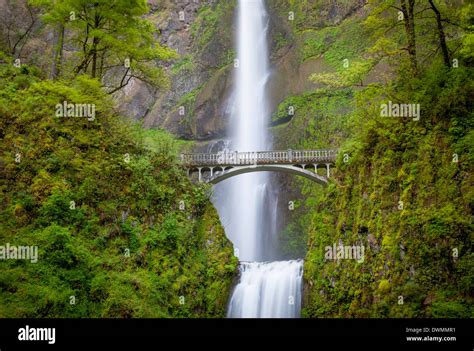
(303, 166)
(212, 171)
(200, 174)
(316, 168)
(328, 166)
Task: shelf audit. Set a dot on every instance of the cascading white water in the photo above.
(245, 204)
(268, 290)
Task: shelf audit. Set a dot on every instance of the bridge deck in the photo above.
(235, 158)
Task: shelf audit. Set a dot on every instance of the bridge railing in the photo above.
(234, 158)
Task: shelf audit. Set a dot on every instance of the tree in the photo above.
(112, 41)
(467, 17)
(424, 24)
(14, 28)
(408, 10)
(386, 17)
(57, 14)
(441, 34)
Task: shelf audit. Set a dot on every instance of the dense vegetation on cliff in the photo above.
(404, 191)
(402, 187)
(120, 230)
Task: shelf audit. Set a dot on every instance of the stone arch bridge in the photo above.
(215, 167)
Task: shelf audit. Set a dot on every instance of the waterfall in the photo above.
(268, 290)
(246, 204)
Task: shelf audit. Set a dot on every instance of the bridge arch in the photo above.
(220, 176)
(226, 164)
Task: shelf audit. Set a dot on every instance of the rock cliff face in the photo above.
(197, 105)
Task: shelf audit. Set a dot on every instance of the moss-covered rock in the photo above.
(194, 108)
(120, 229)
(397, 191)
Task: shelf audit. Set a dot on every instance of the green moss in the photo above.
(210, 21)
(185, 64)
(409, 251)
(384, 286)
(313, 116)
(188, 101)
(205, 25)
(280, 41)
(316, 43)
(136, 243)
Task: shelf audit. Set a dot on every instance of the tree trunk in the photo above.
(409, 19)
(94, 57)
(441, 35)
(57, 52)
(95, 43)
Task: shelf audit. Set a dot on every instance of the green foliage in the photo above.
(318, 42)
(312, 14)
(409, 251)
(185, 64)
(101, 201)
(386, 25)
(206, 25)
(280, 41)
(211, 21)
(354, 74)
(188, 100)
(160, 141)
(105, 35)
(384, 286)
(314, 118)
(333, 44)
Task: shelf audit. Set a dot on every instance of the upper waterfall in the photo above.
(247, 198)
